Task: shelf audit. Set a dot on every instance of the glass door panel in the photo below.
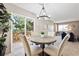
(18, 26)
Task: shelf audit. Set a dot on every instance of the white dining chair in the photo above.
(30, 50)
(57, 51)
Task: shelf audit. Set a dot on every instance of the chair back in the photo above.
(72, 37)
(25, 44)
(62, 44)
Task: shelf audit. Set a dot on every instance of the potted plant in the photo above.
(42, 34)
(4, 28)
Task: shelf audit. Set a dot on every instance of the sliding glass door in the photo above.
(18, 26)
(29, 26)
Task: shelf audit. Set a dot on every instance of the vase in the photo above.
(42, 35)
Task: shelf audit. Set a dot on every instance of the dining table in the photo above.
(42, 41)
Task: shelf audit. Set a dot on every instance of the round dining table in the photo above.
(42, 41)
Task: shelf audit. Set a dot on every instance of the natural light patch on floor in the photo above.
(18, 49)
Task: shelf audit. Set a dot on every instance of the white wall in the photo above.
(8, 42)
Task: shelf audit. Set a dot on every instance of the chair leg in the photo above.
(25, 54)
(61, 54)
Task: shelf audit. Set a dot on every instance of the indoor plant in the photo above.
(4, 28)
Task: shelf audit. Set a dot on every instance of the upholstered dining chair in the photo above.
(29, 50)
(57, 51)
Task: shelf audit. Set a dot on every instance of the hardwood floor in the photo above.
(71, 49)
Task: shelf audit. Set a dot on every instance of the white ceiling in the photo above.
(59, 11)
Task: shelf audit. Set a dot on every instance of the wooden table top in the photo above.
(43, 40)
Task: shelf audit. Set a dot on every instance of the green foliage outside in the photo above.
(19, 24)
(29, 26)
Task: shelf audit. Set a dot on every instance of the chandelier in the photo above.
(43, 13)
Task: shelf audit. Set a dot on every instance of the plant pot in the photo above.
(2, 50)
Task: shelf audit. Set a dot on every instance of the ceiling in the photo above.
(58, 11)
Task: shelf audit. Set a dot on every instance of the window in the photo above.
(63, 27)
(18, 23)
(29, 24)
(50, 30)
(18, 26)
